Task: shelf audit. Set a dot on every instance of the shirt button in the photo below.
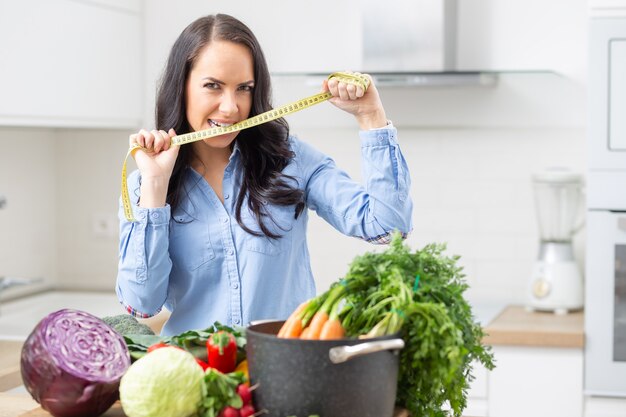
(235, 285)
(155, 215)
(142, 215)
(230, 252)
(224, 219)
(226, 196)
(236, 321)
(381, 138)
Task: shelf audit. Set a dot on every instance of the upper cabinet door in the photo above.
(70, 63)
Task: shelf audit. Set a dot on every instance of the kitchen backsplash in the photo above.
(471, 188)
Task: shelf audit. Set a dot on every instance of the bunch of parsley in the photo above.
(420, 295)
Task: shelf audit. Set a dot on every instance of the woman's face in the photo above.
(219, 89)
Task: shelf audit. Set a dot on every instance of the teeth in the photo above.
(214, 123)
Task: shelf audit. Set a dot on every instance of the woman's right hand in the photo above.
(156, 157)
(155, 160)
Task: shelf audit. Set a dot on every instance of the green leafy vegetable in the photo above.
(419, 295)
(220, 390)
(126, 324)
(193, 341)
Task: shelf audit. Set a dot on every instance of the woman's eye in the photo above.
(211, 86)
(246, 87)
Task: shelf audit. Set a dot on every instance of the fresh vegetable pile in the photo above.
(418, 295)
(77, 365)
(210, 368)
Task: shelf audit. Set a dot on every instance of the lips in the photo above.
(219, 123)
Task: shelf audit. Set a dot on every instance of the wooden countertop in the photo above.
(10, 375)
(515, 326)
(13, 405)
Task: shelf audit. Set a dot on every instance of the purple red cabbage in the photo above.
(72, 363)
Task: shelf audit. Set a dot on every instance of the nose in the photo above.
(228, 104)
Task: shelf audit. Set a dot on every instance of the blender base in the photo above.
(556, 283)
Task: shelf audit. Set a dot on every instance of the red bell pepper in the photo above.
(222, 351)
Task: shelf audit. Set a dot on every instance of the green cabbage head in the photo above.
(165, 382)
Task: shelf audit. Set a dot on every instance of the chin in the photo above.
(221, 142)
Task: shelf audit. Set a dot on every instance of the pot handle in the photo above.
(341, 354)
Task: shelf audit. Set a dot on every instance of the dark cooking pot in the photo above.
(330, 378)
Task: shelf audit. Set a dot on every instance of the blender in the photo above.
(556, 283)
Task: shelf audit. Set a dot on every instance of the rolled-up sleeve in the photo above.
(144, 263)
(370, 211)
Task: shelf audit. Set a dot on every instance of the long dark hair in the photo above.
(264, 149)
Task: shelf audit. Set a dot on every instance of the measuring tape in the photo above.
(345, 77)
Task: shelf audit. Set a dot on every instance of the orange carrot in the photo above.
(330, 304)
(289, 322)
(294, 330)
(332, 329)
(305, 332)
(316, 325)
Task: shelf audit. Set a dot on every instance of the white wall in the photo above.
(27, 222)
(58, 183)
(89, 163)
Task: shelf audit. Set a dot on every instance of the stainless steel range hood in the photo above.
(413, 42)
(401, 43)
(409, 35)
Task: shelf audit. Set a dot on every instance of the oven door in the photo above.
(605, 304)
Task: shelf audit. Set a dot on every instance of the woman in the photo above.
(221, 230)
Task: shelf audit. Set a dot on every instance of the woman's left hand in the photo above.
(366, 106)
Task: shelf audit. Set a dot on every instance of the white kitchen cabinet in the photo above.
(536, 381)
(477, 395)
(539, 364)
(71, 63)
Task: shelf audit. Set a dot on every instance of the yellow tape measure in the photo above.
(349, 78)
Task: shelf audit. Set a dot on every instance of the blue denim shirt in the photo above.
(202, 266)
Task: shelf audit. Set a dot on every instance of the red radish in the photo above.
(244, 393)
(246, 411)
(229, 411)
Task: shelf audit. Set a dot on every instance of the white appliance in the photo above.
(556, 282)
(605, 288)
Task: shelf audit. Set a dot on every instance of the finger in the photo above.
(148, 139)
(351, 90)
(132, 140)
(343, 93)
(359, 92)
(168, 139)
(140, 139)
(158, 141)
(332, 87)
(325, 85)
